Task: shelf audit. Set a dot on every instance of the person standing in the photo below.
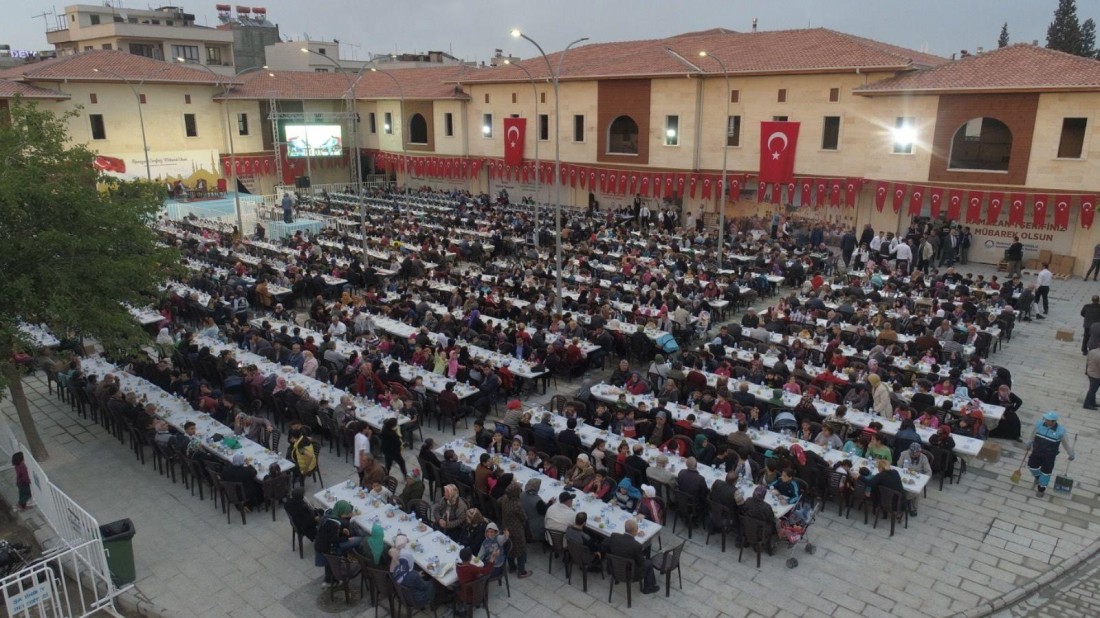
(848, 246)
(964, 245)
(22, 480)
(1091, 315)
(288, 209)
(1042, 291)
(1045, 444)
(925, 253)
(1014, 256)
(950, 248)
(1094, 270)
(904, 256)
(867, 235)
(1092, 371)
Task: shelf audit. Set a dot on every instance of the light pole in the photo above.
(229, 133)
(538, 171)
(725, 153)
(141, 116)
(557, 157)
(401, 112)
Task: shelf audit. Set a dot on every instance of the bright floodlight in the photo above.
(305, 50)
(373, 70)
(516, 33)
(486, 129)
(507, 61)
(670, 132)
(180, 59)
(703, 54)
(904, 136)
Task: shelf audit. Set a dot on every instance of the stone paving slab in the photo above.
(971, 543)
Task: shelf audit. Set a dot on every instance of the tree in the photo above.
(74, 246)
(1064, 33)
(1002, 41)
(1088, 39)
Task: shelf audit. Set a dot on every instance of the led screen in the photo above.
(313, 140)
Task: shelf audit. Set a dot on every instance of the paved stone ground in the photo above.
(1076, 595)
(971, 542)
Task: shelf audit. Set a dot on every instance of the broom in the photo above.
(1016, 475)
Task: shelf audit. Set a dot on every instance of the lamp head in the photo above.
(702, 54)
(305, 50)
(516, 33)
(95, 70)
(374, 69)
(506, 61)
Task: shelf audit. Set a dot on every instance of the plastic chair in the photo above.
(475, 594)
(276, 489)
(758, 535)
(668, 562)
(687, 508)
(403, 598)
(721, 516)
(343, 571)
(233, 496)
(583, 559)
(621, 571)
(557, 548)
(892, 503)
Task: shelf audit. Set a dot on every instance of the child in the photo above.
(22, 480)
(792, 386)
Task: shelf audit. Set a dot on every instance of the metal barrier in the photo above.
(70, 581)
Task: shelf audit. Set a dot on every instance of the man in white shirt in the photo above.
(904, 256)
(560, 514)
(362, 448)
(337, 328)
(1042, 281)
(876, 243)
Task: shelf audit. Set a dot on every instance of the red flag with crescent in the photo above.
(680, 182)
(822, 190)
(916, 200)
(1039, 210)
(707, 182)
(1088, 211)
(778, 142)
(899, 195)
(692, 182)
(1061, 213)
(807, 192)
(935, 201)
(851, 189)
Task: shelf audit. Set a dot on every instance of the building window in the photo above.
(92, 98)
(242, 124)
(578, 128)
(487, 125)
(320, 70)
(486, 98)
(213, 55)
(99, 130)
(141, 97)
(106, 46)
(735, 96)
(1072, 143)
(733, 131)
(834, 95)
(905, 134)
(95, 20)
(672, 130)
(418, 129)
(387, 123)
(187, 99)
(147, 51)
(322, 51)
(830, 133)
(514, 98)
(782, 97)
(372, 123)
(190, 129)
(544, 127)
(449, 124)
(189, 53)
(981, 144)
(88, 48)
(779, 118)
(622, 136)
(542, 97)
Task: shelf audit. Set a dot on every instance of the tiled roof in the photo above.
(81, 67)
(416, 83)
(10, 90)
(813, 50)
(1015, 68)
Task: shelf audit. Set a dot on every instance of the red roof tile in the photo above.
(783, 51)
(81, 67)
(1015, 68)
(416, 83)
(10, 90)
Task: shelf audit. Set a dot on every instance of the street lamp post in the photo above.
(538, 170)
(141, 116)
(401, 113)
(229, 134)
(557, 157)
(725, 153)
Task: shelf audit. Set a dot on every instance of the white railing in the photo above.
(74, 580)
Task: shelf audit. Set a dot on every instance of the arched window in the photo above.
(418, 129)
(622, 136)
(981, 144)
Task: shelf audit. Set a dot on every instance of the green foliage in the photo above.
(74, 244)
(1002, 41)
(1064, 33)
(1088, 39)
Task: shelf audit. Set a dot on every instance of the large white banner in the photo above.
(991, 241)
(177, 165)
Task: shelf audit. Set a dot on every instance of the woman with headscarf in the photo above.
(581, 472)
(334, 536)
(517, 453)
(535, 508)
(971, 420)
(626, 495)
(703, 449)
(513, 517)
(449, 514)
(880, 397)
(1009, 427)
(501, 485)
(650, 507)
(756, 508)
(420, 591)
(375, 545)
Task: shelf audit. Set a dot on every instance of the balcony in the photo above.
(139, 31)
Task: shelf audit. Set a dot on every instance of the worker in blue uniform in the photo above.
(1045, 443)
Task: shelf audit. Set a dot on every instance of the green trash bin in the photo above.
(118, 545)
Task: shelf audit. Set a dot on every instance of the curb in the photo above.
(1008, 599)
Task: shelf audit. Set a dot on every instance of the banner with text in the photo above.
(177, 165)
(991, 241)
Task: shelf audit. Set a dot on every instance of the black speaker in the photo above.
(302, 182)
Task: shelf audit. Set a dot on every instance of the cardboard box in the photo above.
(1063, 334)
(1045, 256)
(1031, 264)
(990, 453)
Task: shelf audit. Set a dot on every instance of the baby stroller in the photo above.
(793, 526)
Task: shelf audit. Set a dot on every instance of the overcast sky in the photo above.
(471, 29)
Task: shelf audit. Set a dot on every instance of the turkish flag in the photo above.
(851, 189)
(655, 184)
(603, 181)
(806, 195)
(954, 205)
(822, 189)
(1061, 212)
(899, 195)
(514, 130)
(707, 184)
(777, 193)
(692, 182)
(835, 187)
(670, 184)
(1039, 210)
(226, 163)
(524, 173)
(591, 179)
(1088, 210)
(645, 185)
(572, 175)
(791, 187)
(778, 141)
(974, 207)
(633, 183)
(916, 200)
(935, 201)
(267, 166)
(680, 181)
(1015, 209)
(621, 183)
(761, 192)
